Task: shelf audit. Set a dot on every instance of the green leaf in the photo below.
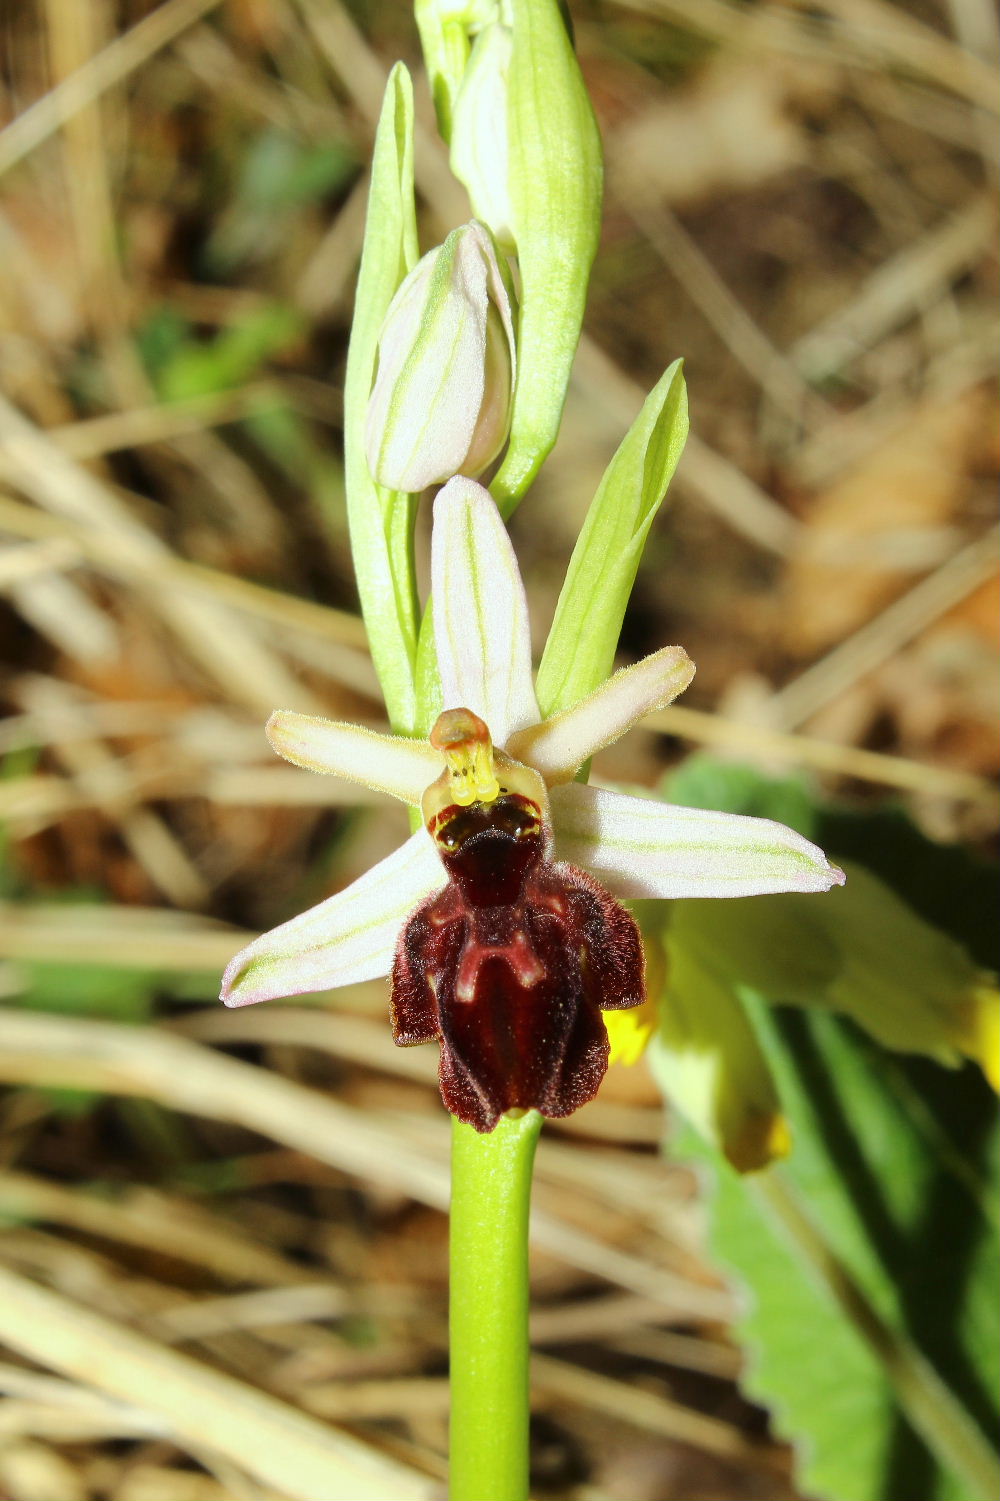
(555, 184)
(161, 336)
(704, 782)
(278, 177)
(99, 990)
(580, 649)
(870, 1255)
(233, 357)
(281, 172)
(870, 1260)
(94, 990)
(949, 886)
(826, 1391)
(381, 521)
(860, 951)
(952, 887)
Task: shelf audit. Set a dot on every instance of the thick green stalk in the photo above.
(490, 1200)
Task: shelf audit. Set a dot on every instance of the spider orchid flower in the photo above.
(502, 945)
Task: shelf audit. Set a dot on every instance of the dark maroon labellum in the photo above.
(510, 966)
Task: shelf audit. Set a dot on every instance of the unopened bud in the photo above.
(480, 156)
(441, 401)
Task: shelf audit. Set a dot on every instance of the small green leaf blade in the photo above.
(900, 1205)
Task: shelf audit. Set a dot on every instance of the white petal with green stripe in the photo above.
(559, 746)
(386, 763)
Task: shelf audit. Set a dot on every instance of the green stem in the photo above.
(490, 1200)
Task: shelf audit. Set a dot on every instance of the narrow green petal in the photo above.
(640, 847)
(480, 612)
(349, 937)
(559, 746)
(386, 763)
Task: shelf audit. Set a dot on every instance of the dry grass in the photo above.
(223, 1269)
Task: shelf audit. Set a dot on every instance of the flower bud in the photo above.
(512, 104)
(441, 401)
(480, 157)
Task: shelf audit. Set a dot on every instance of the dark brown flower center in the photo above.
(489, 848)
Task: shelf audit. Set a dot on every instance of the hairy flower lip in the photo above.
(484, 650)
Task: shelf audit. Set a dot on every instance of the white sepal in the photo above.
(480, 612)
(642, 848)
(349, 937)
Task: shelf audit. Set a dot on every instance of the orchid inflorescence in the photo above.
(500, 920)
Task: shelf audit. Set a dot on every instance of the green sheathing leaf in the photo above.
(580, 650)
(555, 186)
(826, 1390)
(893, 1405)
(381, 521)
(870, 1256)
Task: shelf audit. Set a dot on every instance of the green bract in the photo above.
(581, 646)
(441, 401)
(554, 190)
(381, 521)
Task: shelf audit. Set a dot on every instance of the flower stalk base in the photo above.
(490, 1203)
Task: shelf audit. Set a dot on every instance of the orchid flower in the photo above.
(493, 769)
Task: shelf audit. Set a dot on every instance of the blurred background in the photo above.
(801, 203)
